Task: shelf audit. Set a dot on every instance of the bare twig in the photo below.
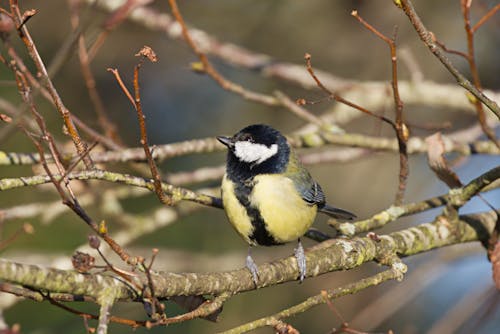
(25, 229)
(212, 72)
(465, 5)
(102, 117)
(33, 52)
(119, 320)
(485, 18)
(124, 88)
(316, 300)
(114, 20)
(147, 52)
(298, 110)
(402, 132)
(455, 196)
(426, 37)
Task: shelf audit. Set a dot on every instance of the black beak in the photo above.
(228, 141)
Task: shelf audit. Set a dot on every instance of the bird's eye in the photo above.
(247, 137)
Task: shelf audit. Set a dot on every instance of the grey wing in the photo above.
(314, 195)
(309, 190)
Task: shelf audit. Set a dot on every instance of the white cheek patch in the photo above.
(254, 153)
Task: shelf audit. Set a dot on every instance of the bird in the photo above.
(268, 196)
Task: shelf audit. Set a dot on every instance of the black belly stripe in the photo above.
(260, 234)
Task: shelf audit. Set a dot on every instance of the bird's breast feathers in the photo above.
(286, 215)
(235, 211)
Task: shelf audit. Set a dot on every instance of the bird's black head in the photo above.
(256, 149)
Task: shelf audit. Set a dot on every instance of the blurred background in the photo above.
(450, 287)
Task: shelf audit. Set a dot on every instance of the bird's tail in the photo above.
(337, 213)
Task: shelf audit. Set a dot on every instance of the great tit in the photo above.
(268, 196)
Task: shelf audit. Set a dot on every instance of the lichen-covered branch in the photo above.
(316, 300)
(328, 256)
(457, 196)
(315, 138)
(97, 174)
(371, 95)
(426, 37)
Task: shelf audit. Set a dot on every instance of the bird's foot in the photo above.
(250, 264)
(301, 261)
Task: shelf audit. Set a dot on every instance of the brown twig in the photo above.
(426, 37)
(70, 200)
(448, 50)
(403, 161)
(336, 97)
(25, 91)
(147, 52)
(298, 110)
(25, 229)
(402, 132)
(158, 309)
(124, 88)
(83, 56)
(35, 56)
(119, 320)
(43, 91)
(212, 72)
(471, 59)
(114, 20)
(485, 18)
(77, 161)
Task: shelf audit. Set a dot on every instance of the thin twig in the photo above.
(471, 59)
(106, 125)
(212, 72)
(402, 132)
(426, 37)
(147, 52)
(460, 142)
(204, 310)
(35, 56)
(158, 309)
(316, 300)
(485, 18)
(459, 196)
(124, 88)
(25, 229)
(119, 320)
(298, 110)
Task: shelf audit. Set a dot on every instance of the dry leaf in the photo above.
(437, 162)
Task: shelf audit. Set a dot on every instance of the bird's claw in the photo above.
(250, 264)
(301, 261)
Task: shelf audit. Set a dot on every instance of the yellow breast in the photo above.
(236, 213)
(286, 215)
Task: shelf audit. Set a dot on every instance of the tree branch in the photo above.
(426, 37)
(328, 256)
